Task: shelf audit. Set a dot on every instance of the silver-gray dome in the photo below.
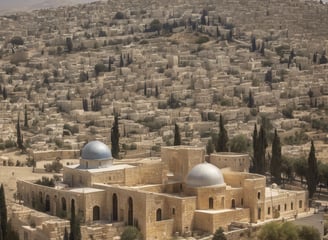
(96, 150)
(203, 175)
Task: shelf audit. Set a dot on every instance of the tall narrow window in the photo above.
(159, 214)
(210, 203)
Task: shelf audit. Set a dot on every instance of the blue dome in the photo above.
(96, 150)
(204, 175)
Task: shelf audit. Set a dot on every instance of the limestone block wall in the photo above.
(181, 159)
(210, 221)
(152, 173)
(235, 161)
(254, 196)
(76, 178)
(110, 177)
(58, 154)
(93, 200)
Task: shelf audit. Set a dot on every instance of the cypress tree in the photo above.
(262, 145)
(25, 117)
(177, 137)
(255, 150)
(275, 166)
(115, 136)
(3, 213)
(65, 234)
(121, 61)
(75, 233)
(250, 103)
(156, 91)
(222, 144)
(312, 173)
(253, 44)
(19, 135)
(4, 93)
(145, 89)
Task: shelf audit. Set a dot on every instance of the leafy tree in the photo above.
(16, 41)
(278, 231)
(300, 168)
(177, 137)
(119, 16)
(275, 165)
(155, 26)
(99, 67)
(115, 136)
(131, 233)
(219, 234)
(308, 233)
(3, 213)
(222, 143)
(312, 173)
(239, 144)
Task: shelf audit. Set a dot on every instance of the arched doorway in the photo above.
(233, 203)
(210, 203)
(63, 204)
(159, 214)
(96, 213)
(115, 207)
(130, 211)
(47, 206)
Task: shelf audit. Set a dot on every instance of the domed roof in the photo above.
(96, 150)
(203, 175)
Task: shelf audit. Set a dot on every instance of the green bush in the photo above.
(202, 39)
(131, 233)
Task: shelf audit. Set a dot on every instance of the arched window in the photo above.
(291, 206)
(115, 207)
(233, 203)
(285, 207)
(47, 208)
(210, 203)
(159, 214)
(242, 202)
(96, 213)
(40, 197)
(259, 195)
(63, 203)
(130, 211)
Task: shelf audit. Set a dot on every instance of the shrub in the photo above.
(131, 233)
(202, 39)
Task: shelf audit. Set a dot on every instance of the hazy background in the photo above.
(23, 5)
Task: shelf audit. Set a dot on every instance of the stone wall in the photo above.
(235, 161)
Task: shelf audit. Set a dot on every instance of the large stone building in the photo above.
(178, 193)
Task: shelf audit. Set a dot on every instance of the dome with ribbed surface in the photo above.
(204, 175)
(96, 150)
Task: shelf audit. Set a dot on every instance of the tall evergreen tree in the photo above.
(75, 233)
(255, 149)
(262, 145)
(4, 93)
(121, 61)
(177, 137)
(156, 91)
(312, 173)
(275, 165)
(250, 103)
(3, 213)
(222, 144)
(253, 44)
(25, 117)
(66, 234)
(115, 136)
(19, 142)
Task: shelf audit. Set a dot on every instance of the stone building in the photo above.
(178, 193)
